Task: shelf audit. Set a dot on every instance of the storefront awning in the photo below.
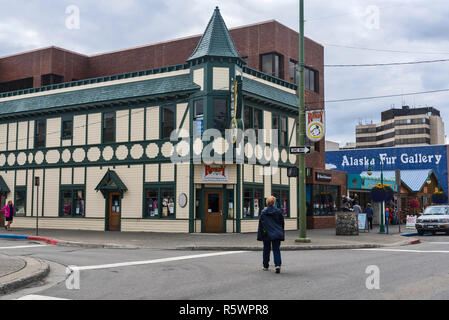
(111, 182)
(3, 186)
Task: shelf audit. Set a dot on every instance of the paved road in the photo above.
(408, 272)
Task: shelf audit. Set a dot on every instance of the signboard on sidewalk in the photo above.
(362, 221)
(411, 221)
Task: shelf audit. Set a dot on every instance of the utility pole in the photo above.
(301, 135)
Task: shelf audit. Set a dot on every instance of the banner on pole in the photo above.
(315, 125)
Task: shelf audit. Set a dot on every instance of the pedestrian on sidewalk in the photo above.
(357, 209)
(271, 232)
(9, 211)
(370, 215)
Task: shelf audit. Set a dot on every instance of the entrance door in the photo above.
(2, 214)
(114, 212)
(213, 211)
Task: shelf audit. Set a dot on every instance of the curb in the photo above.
(34, 270)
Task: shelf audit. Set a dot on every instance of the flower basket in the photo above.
(439, 198)
(381, 193)
(414, 203)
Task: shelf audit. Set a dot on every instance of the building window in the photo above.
(280, 124)
(220, 114)
(252, 202)
(271, 64)
(324, 200)
(72, 202)
(67, 129)
(109, 127)
(294, 72)
(20, 195)
(199, 116)
(253, 119)
(311, 79)
(15, 85)
(168, 121)
(39, 133)
(160, 202)
(50, 79)
(282, 196)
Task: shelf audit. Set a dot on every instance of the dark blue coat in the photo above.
(271, 225)
(369, 211)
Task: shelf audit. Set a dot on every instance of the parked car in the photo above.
(434, 219)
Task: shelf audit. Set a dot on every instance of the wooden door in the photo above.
(114, 212)
(213, 211)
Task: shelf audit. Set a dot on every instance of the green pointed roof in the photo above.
(216, 40)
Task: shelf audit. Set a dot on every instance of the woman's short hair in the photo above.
(271, 201)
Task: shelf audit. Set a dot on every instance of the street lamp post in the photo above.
(370, 172)
(301, 134)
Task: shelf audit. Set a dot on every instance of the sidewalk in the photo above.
(320, 239)
(18, 272)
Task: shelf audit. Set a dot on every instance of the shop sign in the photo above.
(215, 173)
(315, 125)
(323, 176)
(411, 221)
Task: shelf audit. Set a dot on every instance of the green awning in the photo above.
(111, 182)
(3, 186)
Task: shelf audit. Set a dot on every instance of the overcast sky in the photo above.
(416, 28)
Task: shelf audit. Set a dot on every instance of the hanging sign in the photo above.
(315, 125)
(215, 173)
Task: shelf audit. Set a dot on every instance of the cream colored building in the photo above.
(102, 151)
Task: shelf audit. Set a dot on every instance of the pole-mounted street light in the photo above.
(370, 172)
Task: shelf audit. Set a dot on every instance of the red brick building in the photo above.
(268, 46)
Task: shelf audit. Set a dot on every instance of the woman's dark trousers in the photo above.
(267, 245)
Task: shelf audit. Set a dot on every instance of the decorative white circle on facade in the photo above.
(22, 158)
(79, 155)
(183, 148)
(167, 149)
(292, 159)
(93, 154)
(284, 155)
(220, 146)
(2, 160)
(30, 158)
(108, 153)
(121, 153)
(137, 151)
(259, 152)
(276, 155)
(11, 159)
(198, 146)
(267, 153)
(52, 156)
(39, 157)
(249, 150)
(66, 155)
(152, 150)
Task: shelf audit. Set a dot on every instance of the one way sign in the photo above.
(299, 150)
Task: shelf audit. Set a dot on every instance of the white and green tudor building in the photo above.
(102, 151)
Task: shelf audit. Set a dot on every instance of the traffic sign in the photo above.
(299, 150)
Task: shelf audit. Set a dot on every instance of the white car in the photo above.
(434, 219)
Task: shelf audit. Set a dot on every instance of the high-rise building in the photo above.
(403, 127)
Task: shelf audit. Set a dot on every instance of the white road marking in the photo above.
(136, 263)
(439, 242)
(37, 297)
(403, 250)
(22, 247)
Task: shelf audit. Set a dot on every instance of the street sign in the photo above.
(299, 150)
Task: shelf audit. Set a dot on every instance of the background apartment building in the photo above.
(403, 127)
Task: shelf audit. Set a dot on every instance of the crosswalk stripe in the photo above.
(22, 247)
(38, 297)
(136, 263)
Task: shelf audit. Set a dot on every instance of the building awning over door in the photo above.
(3, 186)
(111, 182)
